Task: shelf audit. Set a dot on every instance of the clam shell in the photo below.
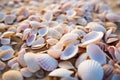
(69, 52)
(22, 27)
(82, 21)
(9, 19)
(60, 72)
(96, 27)
(48, 16)
(70, 13)
(96, 53)
(66, 65)
(26, 73)
(31, 61)
(15, 66)
(69, 78)
(46, 62)
(12, 61)
(5, 40)
(80, 59)
(43, 31)
(12, 75)
(35, 24)
(91, 37)
(31, 38)
(26, 33)
(52, 41)
(2, 65)
(90, 70)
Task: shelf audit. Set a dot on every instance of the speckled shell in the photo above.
(90, 70)
(46, 62)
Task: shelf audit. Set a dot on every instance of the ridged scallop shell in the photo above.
(12, 75)
(46, 62)
(31, 61)
(90, 70)
(26, 73)
(96, 53)
(60, 72)
(69, 78)
(48, 16)
(66, 65)
(80, 59)
(96, 27)
(69, 52)
(91, 37)
(43, 31)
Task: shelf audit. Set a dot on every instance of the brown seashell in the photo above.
(12, 75)
(8, 34)
(9, 19)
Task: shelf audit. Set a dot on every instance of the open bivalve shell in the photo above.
(46, 62)
(61, 72)
(90, 70)
(96, 53)
(91, 37)
(69, 52)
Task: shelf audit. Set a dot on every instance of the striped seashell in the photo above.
(90, 70)
(96, 53)
(46, 62)
(60, 72)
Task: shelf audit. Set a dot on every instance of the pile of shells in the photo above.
(67, 40)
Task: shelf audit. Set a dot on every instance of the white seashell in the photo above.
(69, 78)
(61, 18)
(15, 66)
(43, 31)
(96, 53)
(80, 59)
(60, 72)
(96, 27)
(31, 62)
(26, 73)
(46, 62)
(52, 41)
(35, 24)
(12, 75)
(66, 65)
(26, 33)
(107, 34)
(90, 70)
(6, 52)
(5, 40)
(91, 37)
(69, 52)
(12, 61)
(68, 38)
(39, 43)
(111, 40)
(48, 16)
(31, 38)
(2, 65)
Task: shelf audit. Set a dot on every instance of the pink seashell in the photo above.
(31, 38)
(96, 53)
(26, 33)
(26, 73)
(46, 62)
(15, 66)
(69, 52)
(9, 19)
(34, 18)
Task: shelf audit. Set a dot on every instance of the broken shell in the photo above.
(2, 16)
(91, 37)
(12, 75)
(26, 73)
(5, 40)
(69, 52)
(46, 62)
(31, 38)
(90, 70)
(96, 53)
(31, 62)
(2, 65)
(9, 19)
(43, 31)
(96, 27)
(69, 78)
(60, 72)
(80, 59)
(66, 65)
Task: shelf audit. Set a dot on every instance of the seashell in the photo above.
(9, 19)
(34, 18)
(35, 24)
(26, 33)
(96, 53)
(22, 27)
(90, 70)
(116, 77)
(82, 21)
(48, 16)
(12, 61)
(70, 13)
(46, 62)
(79, 32)
(8, 34)
(40, 74)
(2, 65)
(61, 18)
(26, 73)
(2, 16)
(12, 75)
(52, 41)
(107, 34)
(15, 66)
(39, 43)
(68, 38)
(96, 27)
(113, 17)
(66, 65)
(108, 70)
(31, 61)
(60, 72)
(43, 31)
(6, 52)
(69, 52)
(69, 78)
(5, 41)
(111, 40)
(55, 53)
(80, 59)
(30, 40)
(91, 37)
